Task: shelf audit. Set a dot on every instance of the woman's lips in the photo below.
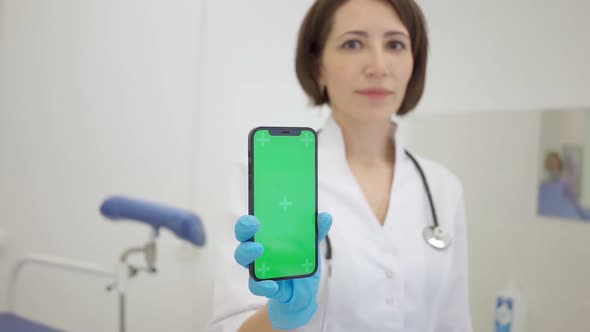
(375, 93)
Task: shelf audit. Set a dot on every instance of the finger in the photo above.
(267, 288)
(324, 224)
(247, 252)
(285, 292)
(246, 227)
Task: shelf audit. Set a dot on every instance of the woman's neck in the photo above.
(367, 144)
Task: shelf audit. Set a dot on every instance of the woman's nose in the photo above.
(376, 64)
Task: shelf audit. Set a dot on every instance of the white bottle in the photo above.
(510, 310)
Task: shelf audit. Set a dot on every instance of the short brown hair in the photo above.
(316, 27)
(554, 155)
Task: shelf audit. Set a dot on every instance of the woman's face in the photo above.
(367, 61)
(553, 164)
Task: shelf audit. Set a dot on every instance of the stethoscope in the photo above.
(433, 234)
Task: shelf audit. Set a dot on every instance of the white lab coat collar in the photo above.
(331, 142)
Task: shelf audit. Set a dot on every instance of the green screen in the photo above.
(283, 198)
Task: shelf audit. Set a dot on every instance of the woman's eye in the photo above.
(396, 45)
(354, 44)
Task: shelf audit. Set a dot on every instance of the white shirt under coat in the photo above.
(384, 277)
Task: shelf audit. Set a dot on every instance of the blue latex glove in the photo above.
(292, 303)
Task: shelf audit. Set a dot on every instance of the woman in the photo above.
(557, 195)
(555, 174)
(366, 59)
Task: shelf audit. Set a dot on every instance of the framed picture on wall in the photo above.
(562, 187)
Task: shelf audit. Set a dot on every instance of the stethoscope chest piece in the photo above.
(437, 237)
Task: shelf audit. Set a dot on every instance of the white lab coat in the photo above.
(384, 278)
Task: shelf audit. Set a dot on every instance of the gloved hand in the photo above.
(293, 302)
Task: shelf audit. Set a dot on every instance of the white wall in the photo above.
(98, 97)
(496, 155)
(507, 55)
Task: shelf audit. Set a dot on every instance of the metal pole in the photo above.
(121, 312)
(55, 262)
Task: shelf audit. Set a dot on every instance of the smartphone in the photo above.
(282, 194)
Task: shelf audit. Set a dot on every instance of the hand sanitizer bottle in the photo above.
(510, 310)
